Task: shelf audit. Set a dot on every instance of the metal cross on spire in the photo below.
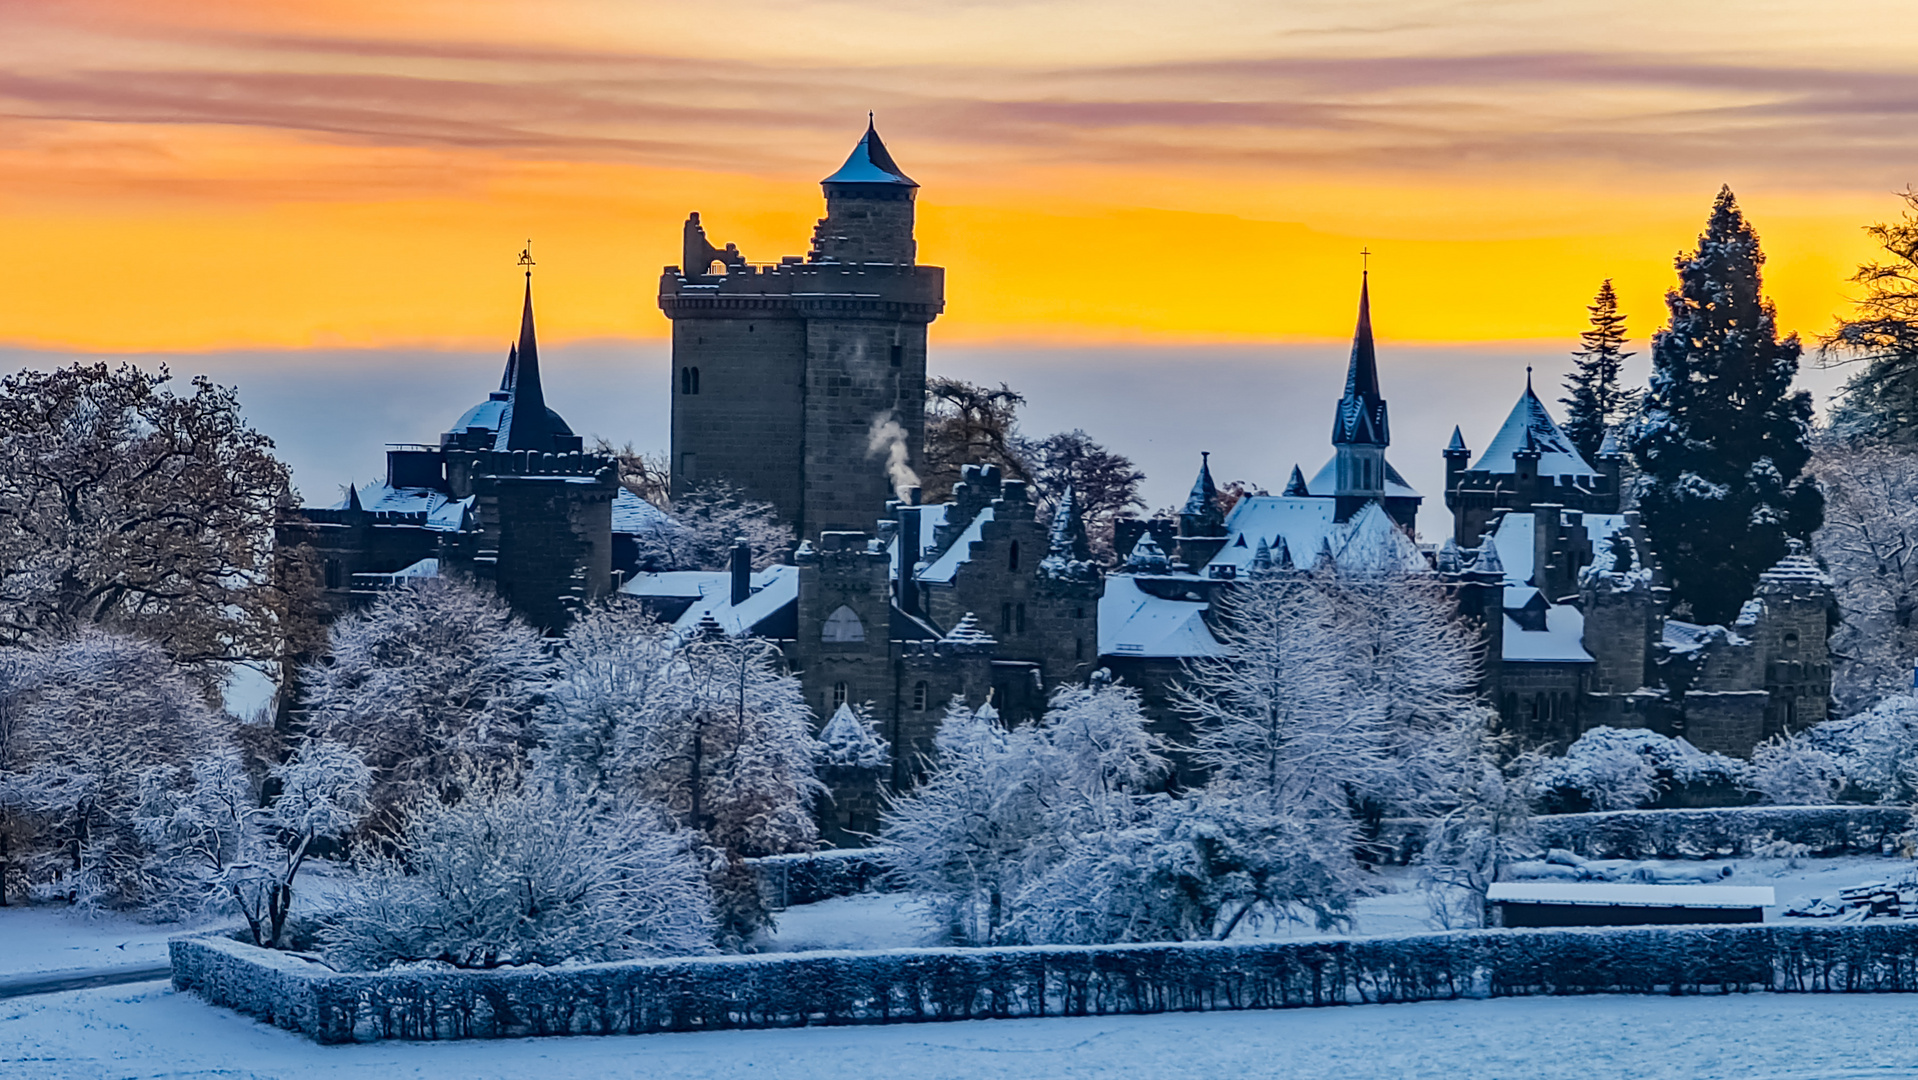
(1365, 259)
(526, 258)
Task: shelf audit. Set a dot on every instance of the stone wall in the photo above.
(746, 424)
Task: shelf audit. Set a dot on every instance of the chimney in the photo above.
(742, 567)
(905, 588)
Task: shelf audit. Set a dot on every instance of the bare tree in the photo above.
(706, 523)
(1106, 484)
(123, 505)
(969, 425)
(1880, 402)
(642, 472)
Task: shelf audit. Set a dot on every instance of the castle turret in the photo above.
(803, 383)
(1360, 430)
(1202, 519)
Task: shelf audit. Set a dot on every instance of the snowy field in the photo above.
(880, 921)
(150, 1031)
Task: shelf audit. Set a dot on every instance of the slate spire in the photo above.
(1295, 487)
(1204, 512)
(1360, 419)
(523, 424)
(1068, 533)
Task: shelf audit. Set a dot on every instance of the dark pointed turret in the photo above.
(1295, 488)
(525, 422)
(1068, 534)
(1360, 420)
(869, 163)
(353, 499)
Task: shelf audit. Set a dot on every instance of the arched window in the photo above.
(838, 695)
(921, 693)
(843, 627)
(1012, 555)
(1791, 642)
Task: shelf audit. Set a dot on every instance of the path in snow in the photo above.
(150, 1031)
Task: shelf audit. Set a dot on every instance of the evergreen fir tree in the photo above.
(1723, 439)
(1880, 402)
(1593, 399)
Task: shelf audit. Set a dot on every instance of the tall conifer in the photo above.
(1723, 438)
(1593, 399)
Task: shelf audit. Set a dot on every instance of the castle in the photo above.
(803, 384)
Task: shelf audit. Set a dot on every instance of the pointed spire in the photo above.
(1457, 445)
(1610, 446)
(353, 499)
(1325, 562)
(1204, 512)
(1488, 561)
(1148, 557)
(523, 425)
(1262, 558)
(512, 365)
(1361, 417)
(1068, 534)
(1295, 487)
(1282, 558)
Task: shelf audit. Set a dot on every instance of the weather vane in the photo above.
(526, 258)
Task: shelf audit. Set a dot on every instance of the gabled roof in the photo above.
(632, 514)
(870, 163)
(1561, 642)
(774, 589)
(1374, 544)
(1301, 523)
(1529, 421)
(1325, 482)
(1133, 622)
(947, 564)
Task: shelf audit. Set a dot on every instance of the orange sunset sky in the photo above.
(213, 174)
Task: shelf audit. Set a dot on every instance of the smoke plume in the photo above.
(887, 437)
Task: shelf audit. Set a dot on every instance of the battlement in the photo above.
(794, 288)
(533, 463)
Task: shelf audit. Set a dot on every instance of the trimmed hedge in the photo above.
(910, 986)
(790, 880)
(1728, 832)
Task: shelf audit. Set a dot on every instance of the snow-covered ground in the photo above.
(881, 921)
(150, 1031)
(55, 939)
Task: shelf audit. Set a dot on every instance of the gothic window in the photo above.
(838, 695)
(920, 693)
(843, 627)
(1012, 555)
(1791, 642)
(898, 355)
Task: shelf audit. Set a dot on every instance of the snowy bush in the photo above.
(435, 680)
(529, 874)
(712, 734)
(1789, 771)
(848, 741)
(1623, 768)
(1875, 752)
(1468, 848)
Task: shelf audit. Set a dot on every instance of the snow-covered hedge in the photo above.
(911, 986)
(789, 880)
(1732, 831)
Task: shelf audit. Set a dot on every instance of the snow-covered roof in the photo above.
(773, 588)
(1561, 642)
(1325, 482)
(1557, 455)
(1133, 622)
(632, 514)
(1513, 540)
(380, 498)
(1684, 637)
(425, 568)
(1303, 522)
(674, 584)
(947, 564)
(1609, 894)
(1373, 543)
(484, 415)
(870, 163)
(448, 515)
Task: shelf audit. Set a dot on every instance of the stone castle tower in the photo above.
(803, 382)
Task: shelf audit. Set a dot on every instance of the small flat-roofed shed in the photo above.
(1568, 903)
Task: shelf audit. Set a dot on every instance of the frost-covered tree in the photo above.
(706, 523)
(435, 680)
(1047, 832)
(1869, 542)
(1332, 701)
(1488, 828)
(1880, 402)
(1870, 756)
(1593, 399)
(713, 734)
(219, 848)
(125, 506)
(104, 719)
(1723, 439)
(525, 872)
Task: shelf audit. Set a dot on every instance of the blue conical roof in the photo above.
(869, 163)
